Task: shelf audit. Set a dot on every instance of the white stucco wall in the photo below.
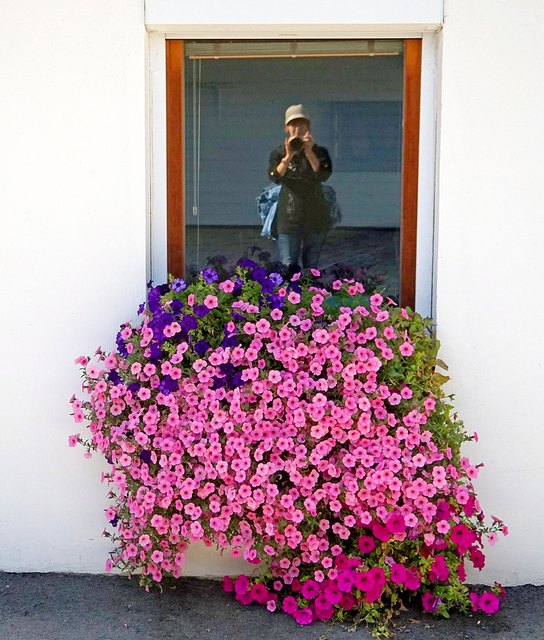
(73, 255)
(489, 305)
(74, 252)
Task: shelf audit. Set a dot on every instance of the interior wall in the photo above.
(242, 103)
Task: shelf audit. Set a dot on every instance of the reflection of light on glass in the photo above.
(197, 104)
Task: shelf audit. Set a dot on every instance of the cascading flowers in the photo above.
(301, 427)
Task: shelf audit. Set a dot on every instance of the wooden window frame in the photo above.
(175, 162)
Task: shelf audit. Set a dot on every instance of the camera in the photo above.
(296, 144)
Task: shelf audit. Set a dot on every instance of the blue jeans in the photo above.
(290, 246)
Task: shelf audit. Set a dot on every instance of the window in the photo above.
(225, 104)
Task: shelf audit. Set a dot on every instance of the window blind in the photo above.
(221, 50)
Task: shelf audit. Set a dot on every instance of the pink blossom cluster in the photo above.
(320, 464)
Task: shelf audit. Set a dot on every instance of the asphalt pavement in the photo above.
(56, 606)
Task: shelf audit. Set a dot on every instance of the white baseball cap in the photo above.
(296, 111)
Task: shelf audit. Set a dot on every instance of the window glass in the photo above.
(234, 119)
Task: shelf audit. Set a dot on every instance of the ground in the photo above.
(54, 606)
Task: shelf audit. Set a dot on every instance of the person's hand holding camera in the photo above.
(308, 147)
(290, 152)
(308, 142)
(298, 144)
(293, 145)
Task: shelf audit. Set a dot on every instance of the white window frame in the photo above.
(426, 219)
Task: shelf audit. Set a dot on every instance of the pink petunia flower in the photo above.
(430, 602)
(303, 616)
(365, 581)
(406, 349)
(228, 584)
(271, 605)
(398, 574)
(73, 440)
(492, 538)
(412, 580)
(241, 586)
(442, 526)
(379, 531)
(289, 605)
(489, 603)
(260, 593)
(396, 523)
(211, 302)
(310, 589)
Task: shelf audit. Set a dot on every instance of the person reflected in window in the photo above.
(300, 166)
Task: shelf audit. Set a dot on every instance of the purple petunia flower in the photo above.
(155, 351)
(201, 310)
(145, 456)
(168, 385)
(201, 347)
(218, 382)
(178, 285)
(154, 299)
(258, 274)
(121, 347)
(246, 263)
(188, 323)
(276, 302)
(276, 279)
(176, 305)
(229, 340)
(114, 377)
(267, 285)
(226, 369)
(237, 380)
(210, 275)
(238, 286)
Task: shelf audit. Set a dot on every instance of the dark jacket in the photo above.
(301, 204)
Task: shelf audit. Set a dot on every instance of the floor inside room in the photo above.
(375, 251)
